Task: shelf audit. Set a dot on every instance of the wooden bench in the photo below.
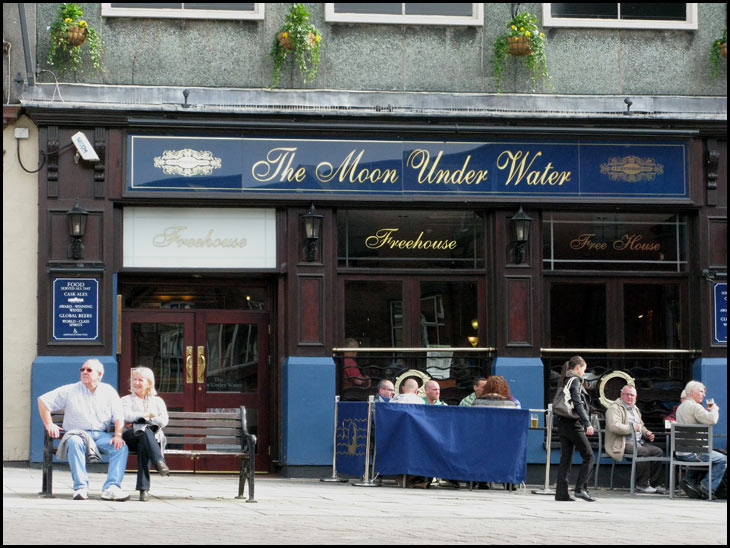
(192, 434)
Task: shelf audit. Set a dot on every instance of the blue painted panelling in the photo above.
(712, 372)
(526, 380)
(307, 411)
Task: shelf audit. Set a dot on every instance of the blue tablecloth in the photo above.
(457, 443)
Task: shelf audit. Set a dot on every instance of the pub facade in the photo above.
(238, 239)
(235, 255)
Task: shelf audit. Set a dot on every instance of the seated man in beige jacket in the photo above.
(624, 428)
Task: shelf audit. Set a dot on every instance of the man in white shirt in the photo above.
(410, 393)
(90, 408)
(691, 411)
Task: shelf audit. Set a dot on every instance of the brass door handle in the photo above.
(188, 365)
(201, 364)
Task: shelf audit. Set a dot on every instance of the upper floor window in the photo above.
(406, 13)
(621, 15)
(185, 11)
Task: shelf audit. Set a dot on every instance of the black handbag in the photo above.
(563, 403)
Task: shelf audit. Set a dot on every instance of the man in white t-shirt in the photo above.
(410, 393)
(91, 408)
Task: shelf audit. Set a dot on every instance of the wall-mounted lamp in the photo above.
(77, 217)
(473, 341)
(312, 230)
(521, 232)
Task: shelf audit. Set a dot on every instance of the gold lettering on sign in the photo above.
(519, 165)
(430, 173)
(349, 170)
(628, 242)
(584, 241)
(632, 242)
(173, 236)
(384, 238)
(278, 165)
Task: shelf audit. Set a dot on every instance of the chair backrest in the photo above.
(691, 438)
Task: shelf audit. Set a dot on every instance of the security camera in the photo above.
(84, 148)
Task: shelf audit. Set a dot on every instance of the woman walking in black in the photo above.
(573, 433)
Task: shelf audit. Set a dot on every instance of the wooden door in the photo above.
(204, 360)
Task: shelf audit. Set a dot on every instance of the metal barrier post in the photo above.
(549, 426)
(334, 451)
(367, 482)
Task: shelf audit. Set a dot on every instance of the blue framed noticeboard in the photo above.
(720, 294)
(75, 309)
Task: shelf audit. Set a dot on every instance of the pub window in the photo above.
(651, 315)
(653, 242)
(185, 11)
(646, 316)
(621, 15)
(455, 13)
(410, 239)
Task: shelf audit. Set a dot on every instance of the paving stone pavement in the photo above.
(201, 509)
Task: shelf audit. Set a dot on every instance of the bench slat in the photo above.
(203, 440)
(205, 424)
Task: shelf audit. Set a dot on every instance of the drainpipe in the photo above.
(29, 70)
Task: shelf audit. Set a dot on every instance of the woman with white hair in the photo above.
(145, 415)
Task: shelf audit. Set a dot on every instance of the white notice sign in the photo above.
(157, 237)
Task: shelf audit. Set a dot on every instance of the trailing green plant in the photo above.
(715, 54)
(298, 37)
(522, 25)
(69, 32)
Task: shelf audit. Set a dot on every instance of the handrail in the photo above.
(618, 351)
(415, 350)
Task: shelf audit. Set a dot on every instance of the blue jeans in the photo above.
(719, 464)
(77, 459)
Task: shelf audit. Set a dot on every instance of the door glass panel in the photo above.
(651, 316)
(159, 346)
(449, 312)
(578, 315)
(232, 357)
(374, 313)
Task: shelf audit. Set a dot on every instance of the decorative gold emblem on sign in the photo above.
(632, 169)
(187, 162)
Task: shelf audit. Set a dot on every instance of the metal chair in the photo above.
(601, 455)
(635, 459)
(691, 438)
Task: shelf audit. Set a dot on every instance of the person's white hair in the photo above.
(693, 386)
(96, 364)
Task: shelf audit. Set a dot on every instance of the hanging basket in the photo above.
(519, 46)
(723, 50)
(284, 41)
(75, 36)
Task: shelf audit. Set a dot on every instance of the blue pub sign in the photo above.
(720, 294)
(75, 309)
(499, 169)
